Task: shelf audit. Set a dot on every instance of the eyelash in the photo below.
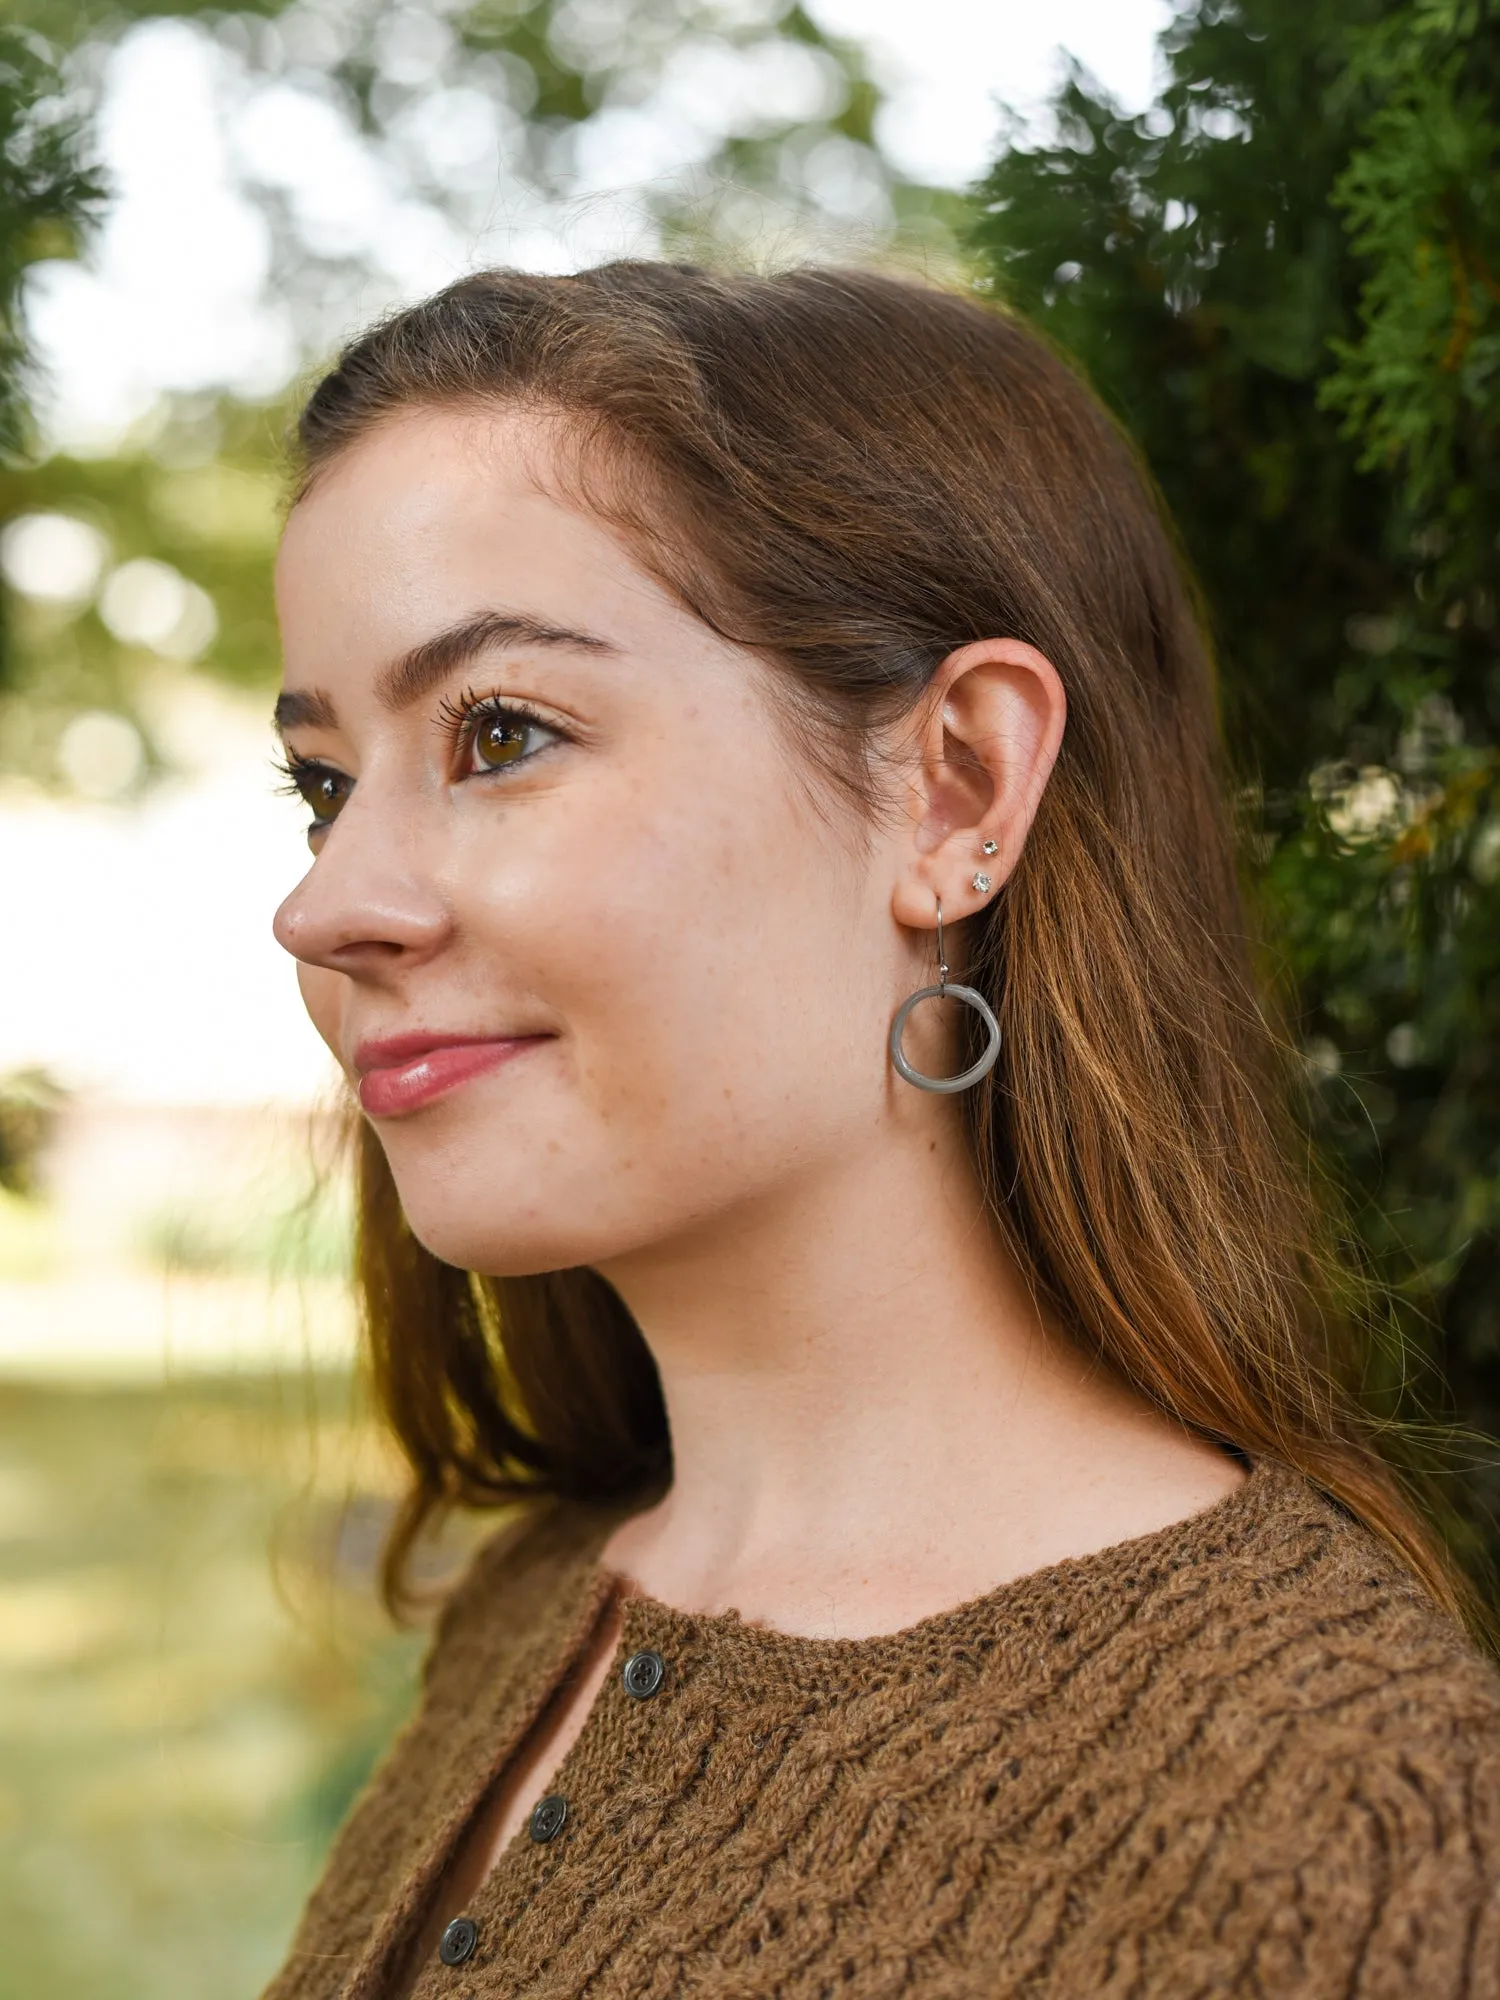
(462, 719)
(469, 714)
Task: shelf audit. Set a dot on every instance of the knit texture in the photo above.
(1244, 1755)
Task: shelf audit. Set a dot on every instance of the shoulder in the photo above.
(1326, 1740)
(1301, 1606)
(513, 1586)
(503, 1629)
(1278, 1608)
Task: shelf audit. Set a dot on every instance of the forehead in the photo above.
(440, 512)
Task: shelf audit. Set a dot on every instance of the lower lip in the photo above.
(386, 1093)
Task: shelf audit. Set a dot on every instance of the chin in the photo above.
(500, 1236)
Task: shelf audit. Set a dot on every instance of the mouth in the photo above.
(404, 1072)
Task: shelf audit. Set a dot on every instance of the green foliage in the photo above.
(1282, 277)
(29, 1103)
(69, 24)
(560, 65)
(178, 1736)
(198, 486)
(201, 490)
(1419, 388)
(1191, 261)
(46, 197)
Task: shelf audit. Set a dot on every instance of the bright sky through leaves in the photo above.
(174, 296)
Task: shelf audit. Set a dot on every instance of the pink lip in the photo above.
(413, 1075)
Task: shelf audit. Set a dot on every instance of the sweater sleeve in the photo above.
(1402, 1896)
(1353, 1852)
(1301, 1787)
(419, 1791)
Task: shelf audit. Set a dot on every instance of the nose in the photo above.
(367, 903)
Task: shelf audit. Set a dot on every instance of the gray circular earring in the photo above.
(943, 991)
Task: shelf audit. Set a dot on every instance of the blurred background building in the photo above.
(1266, 230)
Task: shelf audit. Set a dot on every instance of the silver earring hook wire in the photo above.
(943, 991)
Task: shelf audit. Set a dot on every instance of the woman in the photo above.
(950, 1563)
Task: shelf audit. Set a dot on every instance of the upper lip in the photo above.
(389, 1051)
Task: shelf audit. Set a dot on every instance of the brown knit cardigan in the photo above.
(1242, 1755)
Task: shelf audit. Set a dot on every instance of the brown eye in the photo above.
(321, 789)
(325, 796)
(501, 741)
(491, 733)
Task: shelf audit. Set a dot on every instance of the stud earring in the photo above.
(989, 847)
(982, 884)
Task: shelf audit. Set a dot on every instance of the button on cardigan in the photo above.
(1242, 1755)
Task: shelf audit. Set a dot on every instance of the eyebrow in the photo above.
(402, 683)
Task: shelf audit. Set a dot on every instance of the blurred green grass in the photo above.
(194, 1676)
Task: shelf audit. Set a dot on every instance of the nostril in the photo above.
(366, 907)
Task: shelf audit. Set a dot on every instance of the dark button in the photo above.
(644, 1674)
(548, 1815)
(458, 1941)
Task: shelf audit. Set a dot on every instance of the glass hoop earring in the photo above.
(943, 991)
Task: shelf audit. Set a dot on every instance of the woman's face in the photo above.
(658, 977)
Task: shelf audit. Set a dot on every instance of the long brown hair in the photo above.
(854, 473)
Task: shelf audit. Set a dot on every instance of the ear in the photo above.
(982, 751)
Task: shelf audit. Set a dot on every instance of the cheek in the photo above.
(707, 1028)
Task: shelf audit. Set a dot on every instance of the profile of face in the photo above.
(602, 859)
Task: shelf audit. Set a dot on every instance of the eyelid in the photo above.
(459, 719)
(298, 771)
(462, 719)
(293, 765)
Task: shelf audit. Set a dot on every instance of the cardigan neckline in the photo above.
(1042, 1611)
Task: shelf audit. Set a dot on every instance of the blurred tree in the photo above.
(30, 1100)
(1283, 276)
(737, 119)
(183, 520)
(47, 196)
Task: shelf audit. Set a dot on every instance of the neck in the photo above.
(870, 1417)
